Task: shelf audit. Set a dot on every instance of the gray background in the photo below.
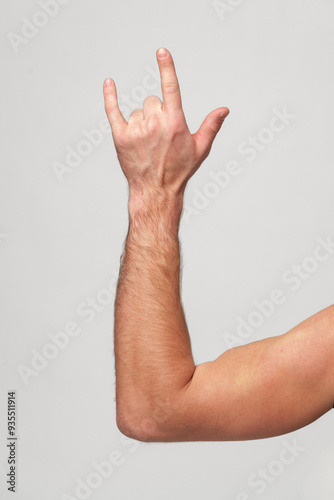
(61, 236)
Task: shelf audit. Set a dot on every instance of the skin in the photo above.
(262, 389)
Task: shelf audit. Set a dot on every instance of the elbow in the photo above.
(130, 426)
(162, 422)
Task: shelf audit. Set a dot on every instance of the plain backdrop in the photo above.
(63, 222)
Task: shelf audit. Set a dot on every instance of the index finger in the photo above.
(169, 83)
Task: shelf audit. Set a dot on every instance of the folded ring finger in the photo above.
(152, 106)
(137, 114)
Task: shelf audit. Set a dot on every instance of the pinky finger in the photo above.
(115, 117)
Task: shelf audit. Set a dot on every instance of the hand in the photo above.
(155, 148)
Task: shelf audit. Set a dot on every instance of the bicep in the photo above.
(265, 388)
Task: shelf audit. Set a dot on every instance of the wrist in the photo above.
(157, 213)
(159, 204)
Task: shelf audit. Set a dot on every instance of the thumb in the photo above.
(207, 132)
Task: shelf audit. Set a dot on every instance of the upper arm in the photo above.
(265, 388)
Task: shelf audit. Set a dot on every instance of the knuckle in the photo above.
(152, 99)
(137, 113)
(166, 63)
(108, 107)
(178, 126)
(171, 87)
(136, 132)
(153, 124)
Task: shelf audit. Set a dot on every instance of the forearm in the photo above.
(153, 355)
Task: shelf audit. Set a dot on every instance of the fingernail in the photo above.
(108, 82)
(224, 115)
(162, 52)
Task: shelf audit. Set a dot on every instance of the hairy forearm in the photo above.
(153, 355)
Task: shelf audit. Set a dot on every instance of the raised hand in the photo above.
(155, 148)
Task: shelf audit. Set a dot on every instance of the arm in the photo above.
(153, 355)
(262, 389)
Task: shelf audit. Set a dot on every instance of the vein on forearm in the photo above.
(152, 346)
